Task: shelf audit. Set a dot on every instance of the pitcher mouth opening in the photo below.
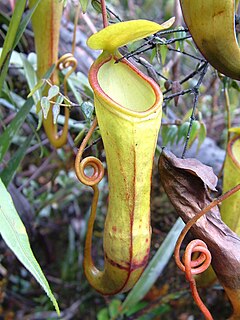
(124, 87)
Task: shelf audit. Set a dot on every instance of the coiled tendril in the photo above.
(66, 61)
(92, 162)
(199, 265)
(196, 266)
(92, 181)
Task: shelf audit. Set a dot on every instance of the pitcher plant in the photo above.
(128, 110)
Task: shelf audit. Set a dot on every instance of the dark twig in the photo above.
(186, 54)
(180, 93)
(189, 76)
(195, 101)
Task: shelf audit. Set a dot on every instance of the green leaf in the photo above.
(14, 234)
(154, 268)
(53, 91)
(9, 171)
(194, 132)
(36, 87)
(84, 5)
(119, 34)
(172, 134)
(235, 85)
(162, 51)
(201, 134)
(4, 19)
(55, 111)
(114, 308)
(164, 134)
(87, 109)
(96, 6)
(136, 307)
(45, 105)
(103, 314)
(31, 77)
(25, 21)
(182, 131)
(13, 127)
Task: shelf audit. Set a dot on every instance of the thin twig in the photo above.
(195, 101)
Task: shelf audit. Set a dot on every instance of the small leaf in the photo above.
(164, 134)
(59, 99)
(103, 314)
(172, 134)
(162, 51)
(96, 6)
(119, 34)
(114, 308)
(45, 105)
(53, 91)
(235, 85)
(201, 135)
(194, 132)
(14, 234)
(40, 119)
(36, 87)
(84, 5)
(55, 111)
(87, 109)
(182, 131)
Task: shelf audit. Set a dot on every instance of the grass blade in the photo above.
(31, 77)
(24, 23)
(9, 40)
(9, 171)
(14, 34)
(155, 267)
(14, 234)
(13, 127)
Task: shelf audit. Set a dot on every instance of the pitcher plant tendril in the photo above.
(199, 265)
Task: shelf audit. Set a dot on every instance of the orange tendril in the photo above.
(66, 61)
(199, 265)
(92, 181)
(94, 163)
